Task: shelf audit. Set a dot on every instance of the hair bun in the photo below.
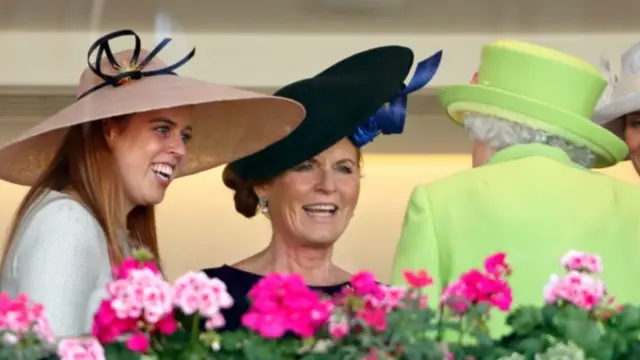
(245, 198)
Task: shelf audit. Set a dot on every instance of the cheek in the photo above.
(137, 154)
(350, 192)
(632, 137)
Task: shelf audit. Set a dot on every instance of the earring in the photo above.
(262, 204)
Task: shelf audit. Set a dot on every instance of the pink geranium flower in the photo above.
(140, 302)
(196, 292)
(579, 289)
(20, 317)
(496, 265)
(80, 349)
(281, 303)
(476, 287)
(580, 261)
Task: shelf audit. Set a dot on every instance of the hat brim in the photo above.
(228, 123)
(606, 146)
(611, 115)
(617, 108)
(337, 100)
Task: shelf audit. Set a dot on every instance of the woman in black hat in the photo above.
(308, 183)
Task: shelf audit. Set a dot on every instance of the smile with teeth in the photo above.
(162, 171)
(320, 209)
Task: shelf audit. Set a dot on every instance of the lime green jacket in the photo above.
(534, 204)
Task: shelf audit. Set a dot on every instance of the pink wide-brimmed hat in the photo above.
(228, 123)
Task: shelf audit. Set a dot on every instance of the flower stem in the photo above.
(195, 328)
(439, 336)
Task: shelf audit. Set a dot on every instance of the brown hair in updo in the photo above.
(245, 197)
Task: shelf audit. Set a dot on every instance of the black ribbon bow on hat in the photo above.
(132, 69)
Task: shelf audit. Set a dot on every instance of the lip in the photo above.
(172, 164)
(322, 204)
(164, 182)
(321, 214)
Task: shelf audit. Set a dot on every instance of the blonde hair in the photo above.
(79, 166)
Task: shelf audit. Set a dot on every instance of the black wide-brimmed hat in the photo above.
(346, 100)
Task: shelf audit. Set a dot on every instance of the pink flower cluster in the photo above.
(580, 289)
(282, 303)
(578, 286)
(196, 292)
(580, 261)
(377, 302)
(81, 349)
(18, 317)
(476, 287)
(140, 301)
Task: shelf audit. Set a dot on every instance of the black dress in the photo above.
(239, 283)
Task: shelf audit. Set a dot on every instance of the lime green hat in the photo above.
(540, 87)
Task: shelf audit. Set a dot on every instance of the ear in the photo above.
(262, 190)
(110, 131)
(113, 128)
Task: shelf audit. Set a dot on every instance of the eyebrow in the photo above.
(341, 161)
(169, 122)
(346, 161)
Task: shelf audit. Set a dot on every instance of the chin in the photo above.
(320, 241)
(152, 199)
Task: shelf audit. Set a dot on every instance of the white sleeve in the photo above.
(57, 263)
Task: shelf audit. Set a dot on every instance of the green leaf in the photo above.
(530, 346)
(525, 320)
(119, 351)
(628, 319)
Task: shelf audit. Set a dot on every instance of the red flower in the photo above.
(419, 279)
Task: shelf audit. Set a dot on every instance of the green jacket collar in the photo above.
(520, 151)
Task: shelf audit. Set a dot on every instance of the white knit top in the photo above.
(59, 257)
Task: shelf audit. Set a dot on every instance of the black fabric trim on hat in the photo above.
(338, 101)
(124, 74)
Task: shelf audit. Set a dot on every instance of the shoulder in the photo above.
(232, 275)
(60, 211)
(215, 272)
(238, 282)
(453, 181)
(58, 221)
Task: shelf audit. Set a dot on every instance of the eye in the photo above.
(305, 166)
(347, 169)
(186, 137)
(163, 130)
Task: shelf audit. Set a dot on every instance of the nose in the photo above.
(326, 182)
(177, 147)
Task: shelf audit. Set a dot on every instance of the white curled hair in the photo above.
(499, 134)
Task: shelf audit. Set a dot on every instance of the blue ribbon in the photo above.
(390, 118)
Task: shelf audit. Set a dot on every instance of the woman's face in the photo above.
(149, 148)
(314, 202)
(632, 137)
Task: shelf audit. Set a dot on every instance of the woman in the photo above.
(619, 107)
(97, 168)
(308, 183)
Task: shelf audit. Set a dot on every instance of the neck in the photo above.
(127, 206)
(313, 264)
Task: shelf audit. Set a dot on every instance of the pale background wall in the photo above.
(263, 45)
(199, 227)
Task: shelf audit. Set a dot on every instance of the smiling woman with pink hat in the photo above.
(97, 168)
